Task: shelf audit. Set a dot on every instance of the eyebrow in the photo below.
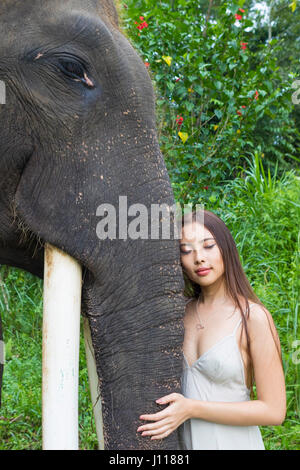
(204, 239)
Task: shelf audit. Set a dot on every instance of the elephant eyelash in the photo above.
(71, 68)
(76, 71)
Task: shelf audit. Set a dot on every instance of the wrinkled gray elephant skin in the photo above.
(78, 130)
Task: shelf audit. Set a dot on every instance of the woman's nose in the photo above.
(199, 256)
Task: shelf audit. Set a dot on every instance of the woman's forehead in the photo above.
(195, 232)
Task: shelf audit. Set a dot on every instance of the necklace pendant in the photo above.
(199, 327)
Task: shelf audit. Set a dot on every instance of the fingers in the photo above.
(149, 427)
(159, 431)
(163, 435)
(163, 413)
(155, 416)
(168, 398)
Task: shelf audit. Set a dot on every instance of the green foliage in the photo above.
(263, 215)
(223, 83)
(21, 306)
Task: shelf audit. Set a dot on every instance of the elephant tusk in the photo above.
(2, 352)
(93, 379)
(61, 340)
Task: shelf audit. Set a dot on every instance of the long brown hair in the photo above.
(236, 282)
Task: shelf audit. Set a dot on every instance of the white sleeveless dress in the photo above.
(218, 375)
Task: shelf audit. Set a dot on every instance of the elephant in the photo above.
(78, 130)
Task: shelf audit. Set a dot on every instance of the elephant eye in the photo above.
(72, 69)
(75, 71)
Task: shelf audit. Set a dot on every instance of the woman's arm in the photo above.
(244, 413)
(268, 409)
(270, 406)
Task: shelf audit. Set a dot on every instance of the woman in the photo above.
(230, 341)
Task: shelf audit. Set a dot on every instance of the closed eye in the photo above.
(75, 70)
(186, 252)
(71, 69)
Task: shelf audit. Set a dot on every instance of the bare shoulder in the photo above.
(259, 315)
(260, 321)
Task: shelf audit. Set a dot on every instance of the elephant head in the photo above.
(77, 130)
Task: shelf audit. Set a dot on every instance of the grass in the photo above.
(263, 216)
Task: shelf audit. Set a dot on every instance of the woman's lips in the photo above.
(203, 272)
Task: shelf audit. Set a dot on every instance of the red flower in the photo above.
(147, 64)
(205, 187)
(244, 45)
(142, 25)
(239, 112)
(238, 17)
(240, 9)
(179, 120)
(256, 94)
(177, 79)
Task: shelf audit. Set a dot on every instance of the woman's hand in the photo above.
(167, 420)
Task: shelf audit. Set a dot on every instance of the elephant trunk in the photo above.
(137, 333)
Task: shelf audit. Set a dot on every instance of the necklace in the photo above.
(199, 325)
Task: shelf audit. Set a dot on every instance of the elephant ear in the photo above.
(109, 9)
